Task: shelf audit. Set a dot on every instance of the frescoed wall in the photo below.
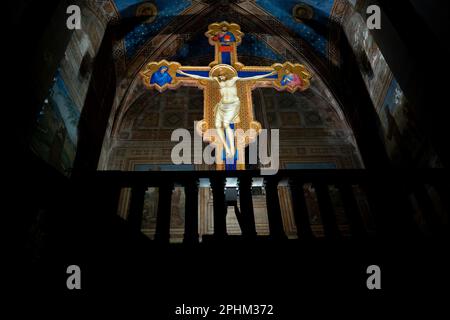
(374, 69)
(164, 12)
(405, 144)
(285, 12)
(55, 136)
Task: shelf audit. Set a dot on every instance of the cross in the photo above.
(223, 77)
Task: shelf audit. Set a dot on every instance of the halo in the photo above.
(223, 69)
(148, 10)
(302, 12)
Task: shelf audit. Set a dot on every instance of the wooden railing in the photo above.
(393, 198)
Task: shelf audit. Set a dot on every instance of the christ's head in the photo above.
(224, 29)
(223, 76)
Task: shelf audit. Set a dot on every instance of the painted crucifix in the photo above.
(227, 86)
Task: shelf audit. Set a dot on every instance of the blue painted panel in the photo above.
(246, 74)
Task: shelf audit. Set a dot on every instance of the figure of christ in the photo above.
(227, 110)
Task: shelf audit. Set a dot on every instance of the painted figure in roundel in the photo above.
(291, 79)
(161, 77)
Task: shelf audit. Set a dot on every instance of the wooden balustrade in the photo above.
(343, 181)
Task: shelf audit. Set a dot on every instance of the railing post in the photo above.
(162, 233)
(220, 213)
(114, 196)
(327, 213)
(246, 202)
(136, 207)
(428, 211)
(301, 215)
(191, 212)
(351, 210)
(389, 200)
(273, 208)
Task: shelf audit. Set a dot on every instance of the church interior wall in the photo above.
(56, 142)
(312, 135)
(55, 136)
(405, 143)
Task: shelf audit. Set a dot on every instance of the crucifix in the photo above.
(227, 86)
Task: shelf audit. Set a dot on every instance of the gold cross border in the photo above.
(235, 29)
(212, 97)
(211, 88)
(173, 67)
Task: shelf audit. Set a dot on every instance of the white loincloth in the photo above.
(227, 113)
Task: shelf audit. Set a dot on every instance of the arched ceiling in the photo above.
(307, 19)
(272, 34)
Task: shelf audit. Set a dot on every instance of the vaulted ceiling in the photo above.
(307, 19)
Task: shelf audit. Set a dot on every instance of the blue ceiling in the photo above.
(280, 9)
(250, 46)
(167, 10)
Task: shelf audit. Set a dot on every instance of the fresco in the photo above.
(166, 11)
(283, 11)
(163, 12)
(252, 47)
(403, 139)
(372, 64)
(55, 136)
(177, 213)
(123, 5)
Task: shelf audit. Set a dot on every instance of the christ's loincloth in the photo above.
(227, 113)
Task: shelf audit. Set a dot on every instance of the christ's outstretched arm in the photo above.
(194, 76)
(258, 77)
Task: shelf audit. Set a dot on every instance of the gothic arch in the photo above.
(329, 75)
(286, 44)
